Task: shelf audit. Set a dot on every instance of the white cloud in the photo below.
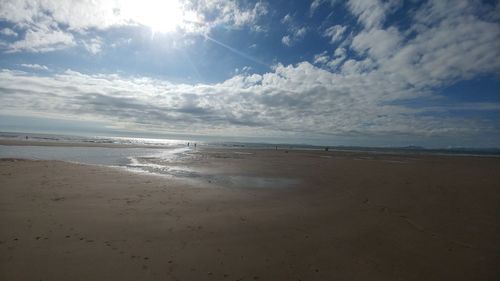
(286, 19)
(286, 40)
(314, 5)
(8, 32)
(35, 66)
(379, 43)
(317, 3)
(295, 36)
(443, 45)
(94, 45)
(332, 62)
(229, 12)
(322, 58)
(43, 20)
(295, 32)
(372, 13)
(335, 33)
(339, 57)
(352, 66)
(245, 70)
(301, 32)
(42, 40)
(75, 14)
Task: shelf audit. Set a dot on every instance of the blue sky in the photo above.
(354, 72)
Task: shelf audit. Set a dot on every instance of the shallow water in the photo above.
(165, 161)
(148, 160)
(84, 155)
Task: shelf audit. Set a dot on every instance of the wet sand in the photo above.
(343, 216)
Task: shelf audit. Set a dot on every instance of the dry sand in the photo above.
(349, 216)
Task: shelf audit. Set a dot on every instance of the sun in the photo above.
(161, 16)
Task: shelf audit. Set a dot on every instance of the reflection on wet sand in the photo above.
(179, 165)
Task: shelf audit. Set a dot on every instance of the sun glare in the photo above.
(161, 16)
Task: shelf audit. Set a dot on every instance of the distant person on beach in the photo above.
(188, 144)
(194, 145)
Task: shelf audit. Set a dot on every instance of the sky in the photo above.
(327, 72)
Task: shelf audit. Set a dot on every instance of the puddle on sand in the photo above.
(243, 153)
(260, 182)
(200, 179)
(166, 166)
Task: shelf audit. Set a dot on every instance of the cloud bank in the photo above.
(295, 98)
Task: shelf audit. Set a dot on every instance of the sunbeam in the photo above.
(240, 53)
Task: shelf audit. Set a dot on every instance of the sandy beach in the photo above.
(268, 215)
